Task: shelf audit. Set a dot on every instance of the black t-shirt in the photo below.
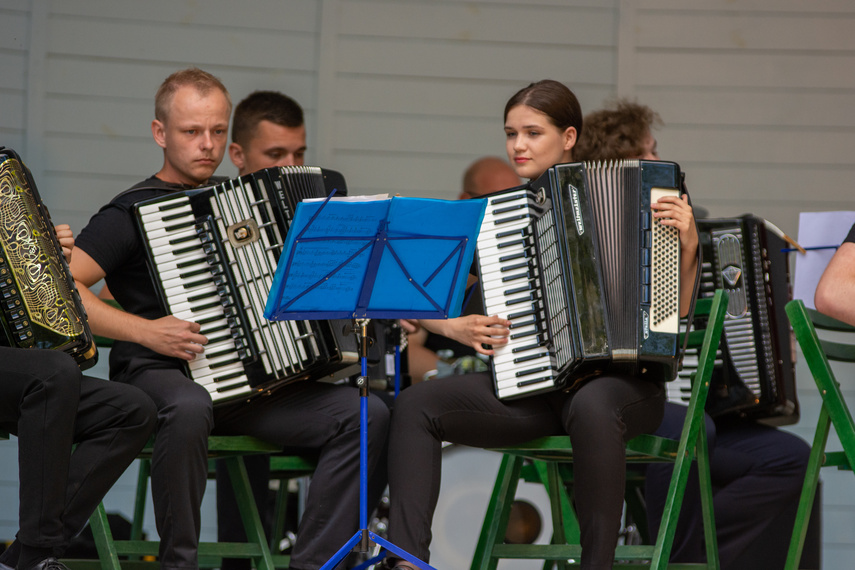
(113, 241)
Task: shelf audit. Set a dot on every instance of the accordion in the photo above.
(587, 277)
(41, 306)
(212, 253)
(754, 374)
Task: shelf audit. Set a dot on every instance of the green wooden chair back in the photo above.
(547, 460)
(819, 353)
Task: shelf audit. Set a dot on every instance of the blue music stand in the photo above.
(367, 258)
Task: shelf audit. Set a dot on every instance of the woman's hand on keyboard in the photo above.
(477, 331)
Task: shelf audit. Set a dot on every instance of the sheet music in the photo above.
(383, 258)
(817, 229)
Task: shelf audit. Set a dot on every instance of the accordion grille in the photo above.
(26, 236)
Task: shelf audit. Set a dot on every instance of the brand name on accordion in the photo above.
(577, 213)
(645, 324)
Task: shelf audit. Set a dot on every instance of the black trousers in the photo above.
(757, 473)
(50, 405)
(600, 417)
(310, 415)
(229, 526)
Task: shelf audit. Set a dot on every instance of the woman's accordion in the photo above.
(586, 275)
(41, 307)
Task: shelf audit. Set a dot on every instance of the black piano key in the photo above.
(510, 219)
(522, 359)
(183, 250)
(524, 348)
(209, 280)
(523, 324)
(504, 244)
(171, 217)
(503, 199)
(516, 290)
(196, 272)
(535, 332)
(229, 362)
(513, 316)
(520, 231)
(215, 339)
(531, 371)
(531, 381)
(524, 299)
(179, 227)
(220, 352)
(523, 265)
(525, 275)
(184, 239)
(200, 297)
(515, 208)
(225, 378)
(209, 319)
(172, 205)
(520, 255)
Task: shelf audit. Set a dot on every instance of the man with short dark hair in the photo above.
(267, 130)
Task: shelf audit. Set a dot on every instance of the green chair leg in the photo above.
(104, 539)
(498, 512)
(249, 514)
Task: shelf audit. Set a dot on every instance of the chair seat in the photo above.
(645, 448)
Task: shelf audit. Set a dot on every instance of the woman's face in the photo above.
(534, 143)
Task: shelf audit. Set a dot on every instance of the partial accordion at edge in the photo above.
(41, 307)
(212, 254)
(589, 279)
(754, 374)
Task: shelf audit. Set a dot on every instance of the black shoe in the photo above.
(48, 564)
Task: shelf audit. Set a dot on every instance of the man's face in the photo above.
(193, 136)
(271, 145)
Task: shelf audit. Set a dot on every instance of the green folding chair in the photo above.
(549, 460)
(833, 412)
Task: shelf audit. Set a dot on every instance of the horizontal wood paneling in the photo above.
(747, 33)
(745, 70)
(773, 8)
(14, 30)
(269, 15)
(566, 24)
(181, 44)
(384, 57)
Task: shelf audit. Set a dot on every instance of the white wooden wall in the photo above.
(401, 95)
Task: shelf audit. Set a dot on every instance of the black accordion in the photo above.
(212, 253)
(41, 306)
(754, 374)
(587, 277)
